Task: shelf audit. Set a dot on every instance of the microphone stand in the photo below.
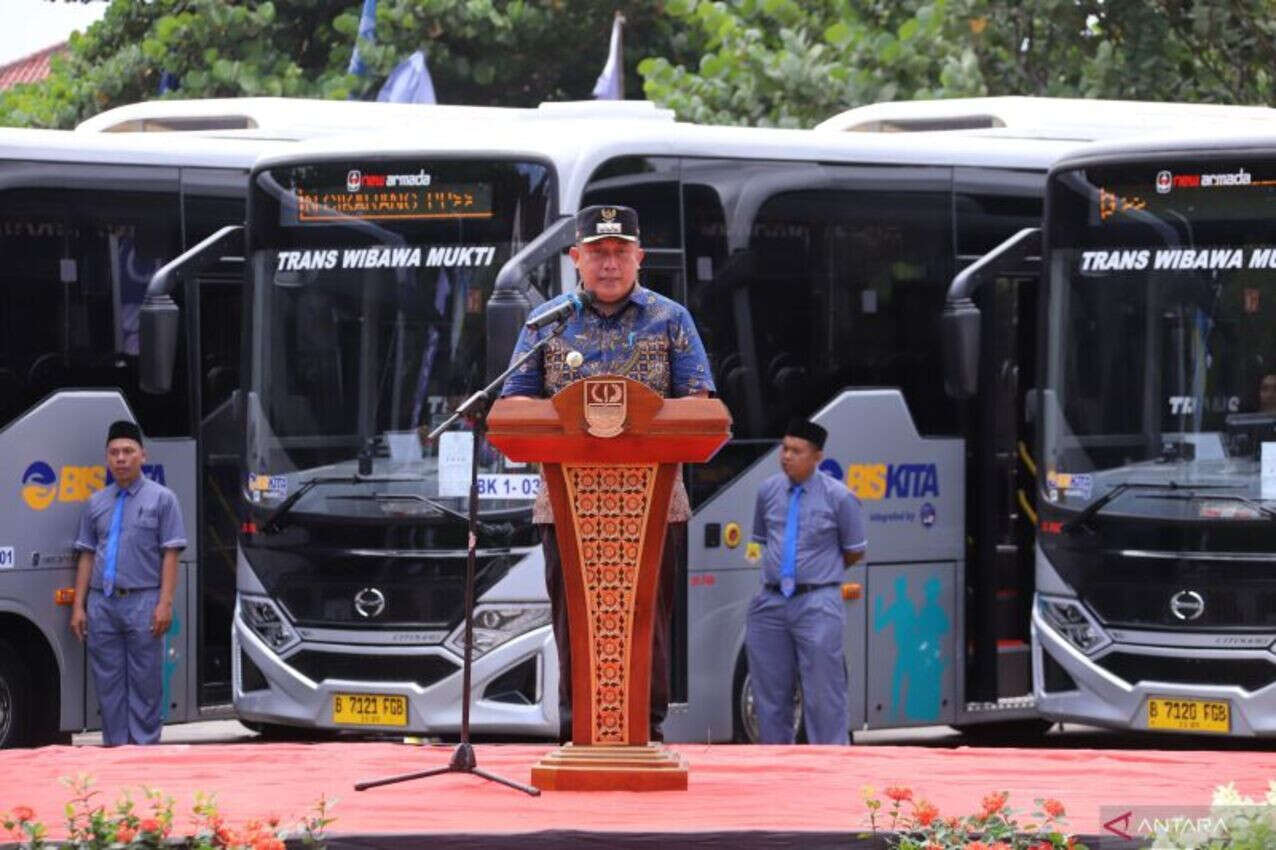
(475, 408)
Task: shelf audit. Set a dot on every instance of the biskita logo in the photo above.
(871, 482)
(354, 180)
(41, 486)
(1164, 182)
(37, 486)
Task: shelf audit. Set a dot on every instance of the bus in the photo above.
(1155, 603)
(84, 222)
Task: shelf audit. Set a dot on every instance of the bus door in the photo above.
(212, 199)
(991, 206)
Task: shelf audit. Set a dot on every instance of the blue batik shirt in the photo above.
(650, 339)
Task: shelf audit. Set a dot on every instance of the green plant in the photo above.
(91, 825)
(916, 824)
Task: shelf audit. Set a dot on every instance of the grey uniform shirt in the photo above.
(152, 522)
(830, 522)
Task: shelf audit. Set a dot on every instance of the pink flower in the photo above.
(22, 814)
(1052, 807)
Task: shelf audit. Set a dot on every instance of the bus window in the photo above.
(71, 288)
(650, 186)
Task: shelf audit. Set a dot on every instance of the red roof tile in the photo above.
(29, 69)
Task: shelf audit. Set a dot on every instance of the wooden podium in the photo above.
(610, 449)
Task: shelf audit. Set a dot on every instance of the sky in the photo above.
(27, 26)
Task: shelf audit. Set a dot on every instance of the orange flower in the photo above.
(1052, 807)
(149, 825)
(899, 794)
(977, 845)
(124, 833)
(925, 813)
(267, 842)
(1000, 845)
(994, 803)
(22, 814)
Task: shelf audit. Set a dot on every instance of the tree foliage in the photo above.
(486, 52)
(791, 63)
(768, 62)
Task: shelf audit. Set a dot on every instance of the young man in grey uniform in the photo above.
(812, 529)
(130, 536)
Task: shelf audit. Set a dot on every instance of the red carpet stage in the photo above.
(739, 795)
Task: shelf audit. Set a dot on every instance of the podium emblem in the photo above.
(605, 406)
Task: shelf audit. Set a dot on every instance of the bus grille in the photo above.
(425, 670)
(1249, 674)
(1127, 592)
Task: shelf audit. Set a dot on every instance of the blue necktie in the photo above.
(788, 559)
(113, 544)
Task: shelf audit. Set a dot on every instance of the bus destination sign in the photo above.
(379, 196)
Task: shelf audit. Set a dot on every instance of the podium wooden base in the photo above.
(649, 767)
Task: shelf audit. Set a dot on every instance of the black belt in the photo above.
(801, 588)
(121, 592)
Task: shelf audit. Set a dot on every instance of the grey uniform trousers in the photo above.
(799, 639)
(127, 663)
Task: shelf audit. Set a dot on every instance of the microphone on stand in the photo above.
(575, 302)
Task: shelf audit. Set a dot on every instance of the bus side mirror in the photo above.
(959, 329)
(159, 324)
(507, 309)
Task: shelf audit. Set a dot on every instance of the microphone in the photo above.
(575, 302)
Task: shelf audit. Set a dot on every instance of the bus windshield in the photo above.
(1161, 370)
(369, 285)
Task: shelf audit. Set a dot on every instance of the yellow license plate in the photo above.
(1189, 715)
(369, 710)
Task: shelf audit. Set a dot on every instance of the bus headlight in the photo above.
(1070, 619)
(497, 624)
(266, 621)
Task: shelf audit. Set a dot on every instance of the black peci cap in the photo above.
(606, 222)
(808, 431)
(122, 429)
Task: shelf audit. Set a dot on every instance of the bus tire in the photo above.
(15, 699)
(744, 713)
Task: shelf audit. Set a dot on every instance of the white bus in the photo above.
(84, 222)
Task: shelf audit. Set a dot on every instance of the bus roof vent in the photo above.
(612, 109)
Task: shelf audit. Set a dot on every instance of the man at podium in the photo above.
(637, 333)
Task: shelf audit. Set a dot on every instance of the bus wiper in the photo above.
(1223, 497)
(1100, 503)
(380, 498)
(271, 524)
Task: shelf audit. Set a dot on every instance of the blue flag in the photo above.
(367, 32)
(611, 82)
(409, 83)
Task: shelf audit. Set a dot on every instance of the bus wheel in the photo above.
(747, 730)
(15, 699)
